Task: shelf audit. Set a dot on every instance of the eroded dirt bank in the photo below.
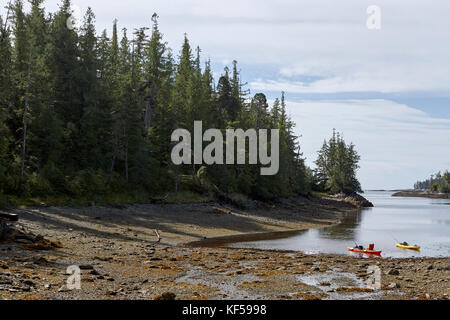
(119, 257)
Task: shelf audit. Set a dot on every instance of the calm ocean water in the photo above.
(421, 221)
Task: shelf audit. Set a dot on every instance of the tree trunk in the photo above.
(126, 160)
(25, 122)
(116, 147)
(176, 180)
(148, 116)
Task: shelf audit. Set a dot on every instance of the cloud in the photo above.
(398, 144)
(359, 82)
(383, 77)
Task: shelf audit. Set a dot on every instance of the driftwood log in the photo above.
(157, 235)
(9, 217)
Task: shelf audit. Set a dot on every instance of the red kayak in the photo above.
(367, 251)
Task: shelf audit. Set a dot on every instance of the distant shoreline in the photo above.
(421, 194)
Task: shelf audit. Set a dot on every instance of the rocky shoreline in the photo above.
(356, 200)
(120, 256)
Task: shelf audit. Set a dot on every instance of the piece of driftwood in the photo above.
(157, 234)
(12, 217)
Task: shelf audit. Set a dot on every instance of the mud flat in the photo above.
(120, 257)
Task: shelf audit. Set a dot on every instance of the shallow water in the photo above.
(338, 279)
(421, 221)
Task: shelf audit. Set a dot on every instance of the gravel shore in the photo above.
(118, 253)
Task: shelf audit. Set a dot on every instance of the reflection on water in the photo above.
(345, 230)
(421, 221)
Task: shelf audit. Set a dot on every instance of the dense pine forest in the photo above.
(87, 115)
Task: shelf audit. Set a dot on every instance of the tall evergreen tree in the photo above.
(67, 95)
(6, 88)
(96, 121)
(224, 100)
(158, 83)
(236, 94)
(207, 109)
(45, 129)
(23, 55)
(182, 94)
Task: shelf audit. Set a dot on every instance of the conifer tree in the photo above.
(66, 84)
(182, 94)
(6, 87)
(224, 100)
(45, 129)
(158, 83)
(236, 94)
(96, 120)
(337, 164)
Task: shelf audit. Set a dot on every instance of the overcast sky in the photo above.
(387, 90)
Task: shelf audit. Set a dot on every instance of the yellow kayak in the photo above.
(401, 246)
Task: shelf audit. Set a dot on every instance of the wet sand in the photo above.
(120, 258)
